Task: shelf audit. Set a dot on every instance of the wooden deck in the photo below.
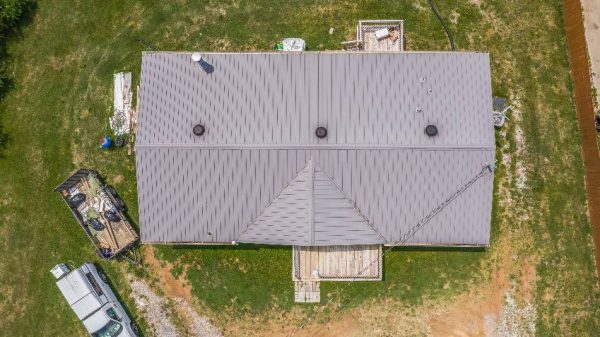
(337, 263)
(366, 40)
(391, 43)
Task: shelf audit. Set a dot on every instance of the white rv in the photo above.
(89, 295)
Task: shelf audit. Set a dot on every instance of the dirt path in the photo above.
(152, 307)
(170, 286)
(585, 113)
(160, 312)
(175, 295)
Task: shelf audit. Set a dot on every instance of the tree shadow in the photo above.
(11, 28)
(4, 140)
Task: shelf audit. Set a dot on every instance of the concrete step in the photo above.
(307, 291)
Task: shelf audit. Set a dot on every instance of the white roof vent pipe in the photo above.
(197, 58)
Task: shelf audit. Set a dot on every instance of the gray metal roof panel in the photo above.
(287, 219)
(261, 110)
(211, 195)
(280, 98)
(311, 211)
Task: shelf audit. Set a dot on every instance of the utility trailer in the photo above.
(99, 211)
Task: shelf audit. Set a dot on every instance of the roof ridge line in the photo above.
(353, 203)
(319, 146)
(251, 222)
(311, 195)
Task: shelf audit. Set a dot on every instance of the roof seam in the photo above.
(251, 222)
(353, 203)
(311, 191)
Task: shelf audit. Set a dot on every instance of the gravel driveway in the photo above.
(153, 306)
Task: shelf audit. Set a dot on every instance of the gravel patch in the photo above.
(515, 320)
(197, 325)
(152, 307)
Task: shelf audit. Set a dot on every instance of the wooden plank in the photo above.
(322, 263)
(305, 257)
(315, 260)
(340, 262)
(358, 261)
(366, 261)
(347, 268)
(324, 252)
(333, 261)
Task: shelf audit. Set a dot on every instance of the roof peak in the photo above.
(316, 210)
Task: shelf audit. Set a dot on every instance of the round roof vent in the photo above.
(321, 132)
(196, 57)
(431, 130)
(198, 129)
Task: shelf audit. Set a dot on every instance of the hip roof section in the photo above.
(258, 99)
(311, 211)
(259, 174)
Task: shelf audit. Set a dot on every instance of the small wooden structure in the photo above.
(333, 263)
(367, 39)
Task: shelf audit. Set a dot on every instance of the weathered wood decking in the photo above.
(391, 43)
(333, 263)
(367, 41)
(338, 263)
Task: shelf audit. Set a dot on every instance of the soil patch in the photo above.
(528, 279)
(152, 306)
(471, 314)
(170, 286)
(161, 314)
(348, 326)
(118, 179)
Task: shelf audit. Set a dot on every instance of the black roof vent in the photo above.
(321, 132)
(431, 130)
(198, 129)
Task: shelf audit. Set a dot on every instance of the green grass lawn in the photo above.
(62, 67)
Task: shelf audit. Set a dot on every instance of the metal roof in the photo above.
(259, 174)
(316, 211)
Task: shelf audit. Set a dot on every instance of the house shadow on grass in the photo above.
(239, 246)
(12, 20)
(437, 249)
(250, 246)
(428, 249)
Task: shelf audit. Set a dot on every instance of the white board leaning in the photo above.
(121, 119)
